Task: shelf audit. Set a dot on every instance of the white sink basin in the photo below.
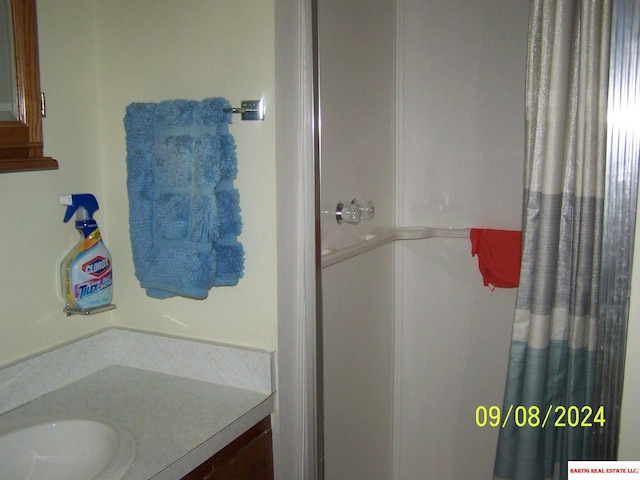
(64, 449)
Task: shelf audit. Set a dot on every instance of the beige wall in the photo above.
(33, 238)
(629, 447)
(152, 50)
(96, 58)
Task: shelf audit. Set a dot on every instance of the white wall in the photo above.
(463, 71)
(96, 57)
(357, 105)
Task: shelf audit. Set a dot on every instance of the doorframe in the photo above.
(296, 421)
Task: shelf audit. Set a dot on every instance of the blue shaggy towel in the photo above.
(184, 213)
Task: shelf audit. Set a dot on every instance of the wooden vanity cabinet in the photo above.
(248, 457)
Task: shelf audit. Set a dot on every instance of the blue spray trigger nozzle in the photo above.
(86, 202)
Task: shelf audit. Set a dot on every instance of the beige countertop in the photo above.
(178, 421)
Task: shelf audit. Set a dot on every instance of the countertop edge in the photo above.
(217, 442)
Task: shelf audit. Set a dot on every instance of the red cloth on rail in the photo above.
(498, 254)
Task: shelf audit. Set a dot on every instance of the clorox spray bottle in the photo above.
(87, 279)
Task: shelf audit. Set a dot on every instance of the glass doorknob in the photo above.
(355, 212)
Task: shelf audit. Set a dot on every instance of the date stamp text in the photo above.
(558, 416)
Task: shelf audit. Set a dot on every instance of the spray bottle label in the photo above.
(96, 267)
(92, 239)
(98, 270)
(90, 274)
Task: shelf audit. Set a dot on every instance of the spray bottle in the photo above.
(87, 280)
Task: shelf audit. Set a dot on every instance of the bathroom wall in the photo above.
(33, 239)
(463, 77)
(629, 446)
(97, 57)
(357, 96)
(152, 50)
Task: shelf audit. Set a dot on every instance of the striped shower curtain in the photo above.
(552, 364)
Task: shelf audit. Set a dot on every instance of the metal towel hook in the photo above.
(250, 109)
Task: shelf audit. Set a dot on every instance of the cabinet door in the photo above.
(248, 457)
(21, 145)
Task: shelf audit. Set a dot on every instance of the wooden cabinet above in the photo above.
(21, 146)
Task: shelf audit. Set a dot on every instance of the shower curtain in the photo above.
(552, 364)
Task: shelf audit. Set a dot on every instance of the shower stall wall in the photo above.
(356, 77)
(422, 107)
(461, 100)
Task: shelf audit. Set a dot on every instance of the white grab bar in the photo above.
(385, 236)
